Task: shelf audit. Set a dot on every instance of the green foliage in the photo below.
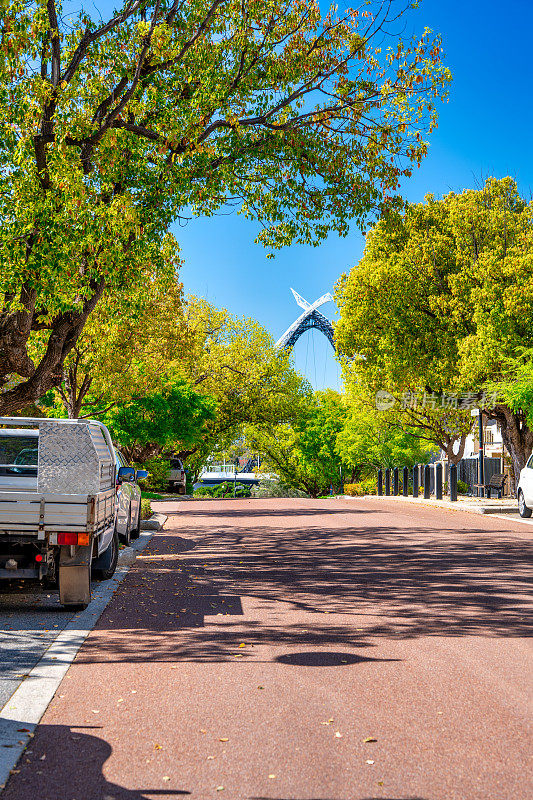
(462, 487)
(157, 480)
(366, 486)
(110, 129)
(269, 487)
(151, 495)
(235, 361)
(303, 453)
(160, 421)
(146, 508)
(440, 302)
(224, 489)
(354, 489)
(372, 440)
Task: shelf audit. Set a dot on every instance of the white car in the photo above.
(128, 508)
(525, 489)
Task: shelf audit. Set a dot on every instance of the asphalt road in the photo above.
(30, 620)
(256, 645)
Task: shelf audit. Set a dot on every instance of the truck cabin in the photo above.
(18, 459)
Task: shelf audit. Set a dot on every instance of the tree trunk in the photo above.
(49, 372)
(455, 458)
(517, 436)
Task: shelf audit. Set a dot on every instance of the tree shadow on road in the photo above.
(64, 763)
(386, 582)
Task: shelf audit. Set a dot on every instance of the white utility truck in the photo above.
(57, 504)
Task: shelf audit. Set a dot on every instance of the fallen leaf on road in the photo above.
(369, 761)
(210, 758)
(242, 644)
(272, 776)
(166, 778)
(338, 735)
(369, 739)
(380, 783)
(158, 746)
(220, 789)
(223, 739)
(23, 730)
(43, 757)
(260, 687)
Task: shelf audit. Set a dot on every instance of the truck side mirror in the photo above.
(141, 474)
(126, 475)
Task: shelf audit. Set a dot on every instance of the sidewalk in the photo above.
(475, 505)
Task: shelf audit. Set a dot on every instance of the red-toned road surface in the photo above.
(256, 644)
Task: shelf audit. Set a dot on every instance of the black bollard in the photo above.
(405, 481)
(453, 482)
(438, 481)
(387, 482)
(380, 482)
(396, 482)
(415, 480)
(427, 482)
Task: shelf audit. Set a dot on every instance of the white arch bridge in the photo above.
(311, 318)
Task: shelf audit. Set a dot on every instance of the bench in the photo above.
(495, 484)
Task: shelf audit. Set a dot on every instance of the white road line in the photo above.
(23, 711)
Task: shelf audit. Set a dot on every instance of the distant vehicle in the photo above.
(525, 489)
(177, 480)
(65, 498)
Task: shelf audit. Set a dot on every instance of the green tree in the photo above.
(165, 421)
(234, 360)
(128, 348)
(303, 453)
(112, 129)
(439, 305)
(372, 440)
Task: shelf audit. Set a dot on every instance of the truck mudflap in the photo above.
(75, 575)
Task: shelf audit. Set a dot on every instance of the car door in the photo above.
(526, 482)
(124, 493)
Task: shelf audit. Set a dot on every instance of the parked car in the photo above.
(525, 489)
(128, 506)
(177, 480)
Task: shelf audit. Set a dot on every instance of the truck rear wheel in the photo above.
(105, 565)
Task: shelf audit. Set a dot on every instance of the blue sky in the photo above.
(485, 129)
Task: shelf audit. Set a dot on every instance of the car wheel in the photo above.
(182, 490)
(522, 508)
(105, 565)
(125, 538)
(136, 531)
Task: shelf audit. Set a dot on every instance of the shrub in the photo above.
(158, 469)
(462, 487)
(276, 488)
(224, 489)
(354, 489)
(146, 508)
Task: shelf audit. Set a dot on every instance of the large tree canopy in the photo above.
(440, 306)
(112, 129)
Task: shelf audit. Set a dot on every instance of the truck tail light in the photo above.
(68, 537)
(38, 557)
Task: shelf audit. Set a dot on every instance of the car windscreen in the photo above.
(18, 455)
(175, 463)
